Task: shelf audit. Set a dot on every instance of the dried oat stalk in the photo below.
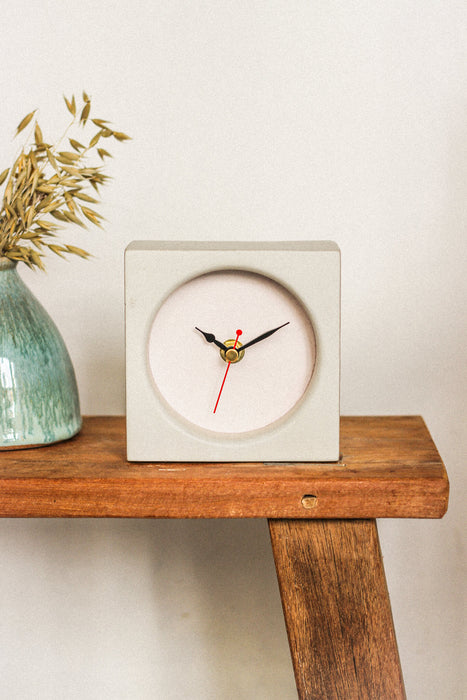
(47, 188)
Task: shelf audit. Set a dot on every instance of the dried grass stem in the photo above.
(47, 188)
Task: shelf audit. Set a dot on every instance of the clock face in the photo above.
(196, 358)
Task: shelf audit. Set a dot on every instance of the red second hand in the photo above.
(239, 332)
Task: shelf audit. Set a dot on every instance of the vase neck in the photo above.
(7, 264)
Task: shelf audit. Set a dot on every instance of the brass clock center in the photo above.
(232, 354)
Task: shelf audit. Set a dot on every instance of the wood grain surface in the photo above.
(389, 468)
(337, 611)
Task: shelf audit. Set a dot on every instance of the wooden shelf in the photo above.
(321, 520)
(389, 468)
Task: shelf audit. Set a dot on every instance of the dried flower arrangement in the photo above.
(47, 187)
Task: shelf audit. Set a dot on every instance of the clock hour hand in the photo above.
(263, 336)
(212, 339)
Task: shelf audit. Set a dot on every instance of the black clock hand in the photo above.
(212, 339)
(263, 336)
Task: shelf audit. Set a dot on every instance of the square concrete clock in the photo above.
(232, 351)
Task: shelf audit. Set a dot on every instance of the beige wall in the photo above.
(282, 119)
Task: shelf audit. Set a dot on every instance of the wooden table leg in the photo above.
(337, 610)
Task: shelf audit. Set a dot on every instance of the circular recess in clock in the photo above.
(231, 351)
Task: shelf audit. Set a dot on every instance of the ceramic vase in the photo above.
(39, 401)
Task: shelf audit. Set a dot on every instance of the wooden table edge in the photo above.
(401, 476)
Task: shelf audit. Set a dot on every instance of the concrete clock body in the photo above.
(232, 351)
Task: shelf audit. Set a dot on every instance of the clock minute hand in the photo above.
(212, 339)
(263, 336)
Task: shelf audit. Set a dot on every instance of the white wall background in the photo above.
(255, 120)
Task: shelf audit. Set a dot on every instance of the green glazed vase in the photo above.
(39, 401)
